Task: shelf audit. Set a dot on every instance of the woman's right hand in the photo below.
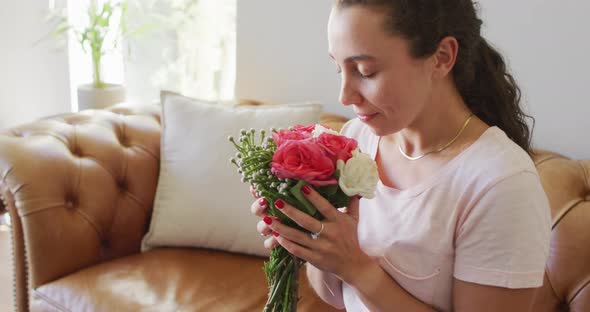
(259, 208)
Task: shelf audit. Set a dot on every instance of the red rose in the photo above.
(303, 160)
(337, 146)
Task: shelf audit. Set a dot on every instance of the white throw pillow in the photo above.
(200, 200)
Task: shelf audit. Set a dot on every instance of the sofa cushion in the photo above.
(200, 200)
(168, 279)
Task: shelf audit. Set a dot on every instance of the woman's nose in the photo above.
(348, 93)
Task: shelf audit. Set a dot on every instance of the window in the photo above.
(187, 46)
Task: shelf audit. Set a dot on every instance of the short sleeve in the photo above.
(504, 239)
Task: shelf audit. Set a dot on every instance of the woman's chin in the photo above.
(381, 130)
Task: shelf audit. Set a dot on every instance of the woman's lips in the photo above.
(366, 117)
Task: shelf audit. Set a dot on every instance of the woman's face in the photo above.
(386, 86)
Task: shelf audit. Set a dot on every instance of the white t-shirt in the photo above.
(482, 218)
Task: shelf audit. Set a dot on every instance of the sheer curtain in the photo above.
(188, 46)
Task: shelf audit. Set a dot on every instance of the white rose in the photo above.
(319, 129)
(358, 176)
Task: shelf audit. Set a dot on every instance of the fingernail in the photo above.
(267, 220)
(262, 202)
(306, 190)
(279, 204)
(276, 219)
(275, 234)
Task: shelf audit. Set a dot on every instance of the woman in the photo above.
(460, 221)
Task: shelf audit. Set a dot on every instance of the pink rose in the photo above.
(303, 160)
(286, 135)
(337, 146)
(302, 128)
(297, 132)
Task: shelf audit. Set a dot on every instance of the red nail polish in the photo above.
(306, 190)
(262, 202)
(267, 220)
(275, 234)
(279, 204)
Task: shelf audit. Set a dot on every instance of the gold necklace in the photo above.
(439, 149)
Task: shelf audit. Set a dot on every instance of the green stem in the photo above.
(96, 62)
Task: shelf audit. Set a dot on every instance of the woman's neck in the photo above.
(436, 125)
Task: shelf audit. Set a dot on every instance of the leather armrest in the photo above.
(79, 188)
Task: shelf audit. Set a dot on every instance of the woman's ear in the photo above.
(445, 56)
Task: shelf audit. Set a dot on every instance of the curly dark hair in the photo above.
(480, 73)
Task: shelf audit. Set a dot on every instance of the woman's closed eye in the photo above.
(366, 76)
(360, 74)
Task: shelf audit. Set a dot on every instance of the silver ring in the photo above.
(316, 236)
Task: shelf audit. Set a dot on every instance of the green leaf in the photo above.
(328, 190)
(307, 206)
(339, 199)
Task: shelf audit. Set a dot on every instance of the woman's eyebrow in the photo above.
(357, 58)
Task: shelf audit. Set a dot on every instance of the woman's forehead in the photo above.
(356, 30)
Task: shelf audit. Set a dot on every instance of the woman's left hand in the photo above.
(336, 249)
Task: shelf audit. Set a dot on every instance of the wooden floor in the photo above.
(6, 303)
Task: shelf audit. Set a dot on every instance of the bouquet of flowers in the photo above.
(278, 166)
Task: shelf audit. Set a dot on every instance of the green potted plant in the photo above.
(102, 23)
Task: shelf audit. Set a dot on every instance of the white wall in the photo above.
(546, 43)
(33, 80)
(282, 53)
(282, 56)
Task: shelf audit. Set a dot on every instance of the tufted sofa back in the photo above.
(567, 275)
(82, 186)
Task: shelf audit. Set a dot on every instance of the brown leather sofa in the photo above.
(71, 254)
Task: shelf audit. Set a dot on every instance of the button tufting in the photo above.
(76, 151)
(123, 141)
(122, 184)
(71, 202)
(563, 306)
(105, 244)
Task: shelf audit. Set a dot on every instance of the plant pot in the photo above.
(90, 97)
